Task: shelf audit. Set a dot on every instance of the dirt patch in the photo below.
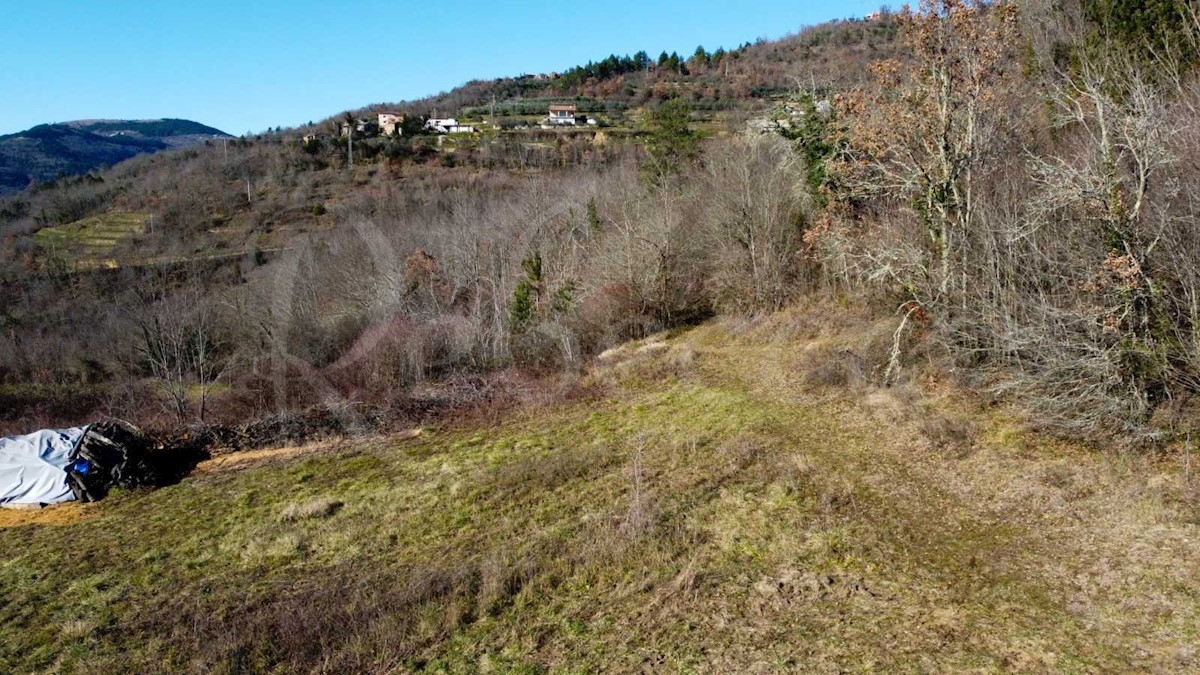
(237, 460)
(59, 514)
(795, 586)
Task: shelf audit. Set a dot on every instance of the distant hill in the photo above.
(835, 54)
(47, 150)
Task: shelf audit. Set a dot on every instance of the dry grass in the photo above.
(318, 508)
(61, 514)
(712, 512)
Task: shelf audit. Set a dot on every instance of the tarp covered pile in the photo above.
(51, 467)
(33, 468)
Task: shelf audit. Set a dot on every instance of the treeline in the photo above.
(642, 63)
(1016, 184)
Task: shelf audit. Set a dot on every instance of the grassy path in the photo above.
(1007, 547)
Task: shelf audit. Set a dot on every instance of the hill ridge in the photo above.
(46, 151)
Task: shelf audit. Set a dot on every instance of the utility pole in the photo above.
(350, 151)
(247, 189)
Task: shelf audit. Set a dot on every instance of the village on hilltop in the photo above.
(391, 124)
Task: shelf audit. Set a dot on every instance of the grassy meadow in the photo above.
(701, 503)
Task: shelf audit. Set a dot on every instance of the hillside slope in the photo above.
(704, 508)
(746, 78)
(48, 150)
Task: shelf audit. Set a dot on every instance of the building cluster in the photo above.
(392, 123)
(384, 124)
(538, 76)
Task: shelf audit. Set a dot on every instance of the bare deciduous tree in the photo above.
(922, 134)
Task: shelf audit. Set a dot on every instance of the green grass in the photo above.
(705, 513)
(91, 240)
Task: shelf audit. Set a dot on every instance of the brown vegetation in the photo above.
(844, 472)
(1010, 183)
(1028, 211)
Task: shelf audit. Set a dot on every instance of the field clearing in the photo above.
(97, 242)
(92, 241)
(706, 509)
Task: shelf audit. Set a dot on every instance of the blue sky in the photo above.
(245, 65)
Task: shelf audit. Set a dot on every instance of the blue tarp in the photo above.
(33, 468)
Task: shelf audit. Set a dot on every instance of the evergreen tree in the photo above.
(1140, 27)
(522, 307)
(526, 301)
(593, 216)
(675, 63)
(672, 141)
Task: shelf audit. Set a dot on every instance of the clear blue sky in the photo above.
(245, 65)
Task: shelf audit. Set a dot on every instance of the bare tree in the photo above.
(921, 135)
(178, 343)
(755, 218)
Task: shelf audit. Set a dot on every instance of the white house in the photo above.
(447, 125)
(562, 114)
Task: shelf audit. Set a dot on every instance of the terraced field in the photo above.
(91, 242)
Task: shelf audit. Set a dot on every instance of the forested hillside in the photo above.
(51, 151)
(1003, 178)
(213, 215)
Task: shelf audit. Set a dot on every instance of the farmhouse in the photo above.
(389, 123)
(563, 114)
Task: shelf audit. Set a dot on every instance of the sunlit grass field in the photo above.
(704, 507)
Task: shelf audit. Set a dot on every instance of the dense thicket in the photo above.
(1033, 209)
